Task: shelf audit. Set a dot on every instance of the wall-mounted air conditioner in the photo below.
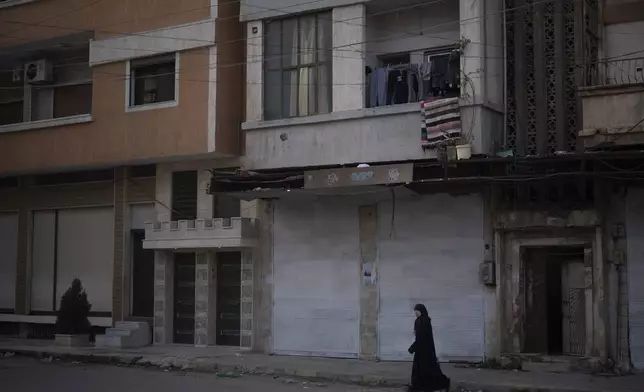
(40, 71)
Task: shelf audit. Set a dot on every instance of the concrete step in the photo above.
(119, 331)
(132, 325)
(127, 334)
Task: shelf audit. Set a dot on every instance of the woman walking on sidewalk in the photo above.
(426, 374)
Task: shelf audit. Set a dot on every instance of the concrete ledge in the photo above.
(334, 116)
(49, 123)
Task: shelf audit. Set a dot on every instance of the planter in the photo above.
(464, 151)
(65, 340)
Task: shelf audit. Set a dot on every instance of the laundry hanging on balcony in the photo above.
(440, 121)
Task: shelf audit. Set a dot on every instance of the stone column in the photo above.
(120, 231)
(205, 310)
(368, 227)
(163, 296)
(349, 35)
(263, 278)
(246, 328)
(254, 70)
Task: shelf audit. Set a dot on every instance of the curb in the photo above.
(184, 365)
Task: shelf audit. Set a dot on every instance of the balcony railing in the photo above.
(201, 233)
(616, 72)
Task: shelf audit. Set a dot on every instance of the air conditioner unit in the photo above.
(40, 71)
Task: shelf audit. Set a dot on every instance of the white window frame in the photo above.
(129, 83)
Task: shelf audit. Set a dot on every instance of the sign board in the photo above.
(355, 176)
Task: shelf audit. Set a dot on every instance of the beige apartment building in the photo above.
(111, 112)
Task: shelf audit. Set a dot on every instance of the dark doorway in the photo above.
(228, 298)
(142, 277)
(554, 321)
(184, 298)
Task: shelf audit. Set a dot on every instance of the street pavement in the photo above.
(31, 375)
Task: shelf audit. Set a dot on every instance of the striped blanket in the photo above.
(440, 121)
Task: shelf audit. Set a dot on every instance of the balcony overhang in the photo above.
(612, 115)
(188, 235)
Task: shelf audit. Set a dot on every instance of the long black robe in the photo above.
(426, 374)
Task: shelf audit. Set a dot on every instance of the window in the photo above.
(67, 94)
(153, 80)
(297, 66)
(70, 94)
(11, 97)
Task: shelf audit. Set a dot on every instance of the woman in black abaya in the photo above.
(426, 374)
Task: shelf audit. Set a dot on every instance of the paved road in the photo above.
(30, 375)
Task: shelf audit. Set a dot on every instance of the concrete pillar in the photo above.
(263, 279)
(120, 230)
(247, 300)
(482, 80)
(254, 70)
(349, 36)
(205, 309)
(205, 203)
(368, 227)
(163, 296)
(163, 191)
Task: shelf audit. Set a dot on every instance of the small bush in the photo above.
(73, 312)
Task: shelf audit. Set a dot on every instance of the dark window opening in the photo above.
(153, 81)
(143, 171)
(9, 182)
(71, 178)
(184, 195)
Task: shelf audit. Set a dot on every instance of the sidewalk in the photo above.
(219, 359)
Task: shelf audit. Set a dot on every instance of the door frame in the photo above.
(513, 245)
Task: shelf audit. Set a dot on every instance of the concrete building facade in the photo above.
(517, 252)
(293, 177)
(101, 105)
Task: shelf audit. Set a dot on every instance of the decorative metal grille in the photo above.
(551, 49)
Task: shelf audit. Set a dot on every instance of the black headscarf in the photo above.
(422, 309)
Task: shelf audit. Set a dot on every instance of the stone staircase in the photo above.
(125, 334)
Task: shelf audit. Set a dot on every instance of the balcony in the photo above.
(231, 233)
(613, 105)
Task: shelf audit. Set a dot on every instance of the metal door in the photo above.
(184, 298)
(228, 298)
(573, 307)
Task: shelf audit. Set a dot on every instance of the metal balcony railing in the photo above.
(616, 72)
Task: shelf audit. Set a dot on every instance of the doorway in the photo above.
(228, 299)
(142, 277)
(184, 298)
(554, 284)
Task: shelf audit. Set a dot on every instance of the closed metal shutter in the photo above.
(316, 271)
(8, 260)
(635, 268)
(184, 195)
(432, 257)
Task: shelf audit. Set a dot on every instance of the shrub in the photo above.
(73, 311)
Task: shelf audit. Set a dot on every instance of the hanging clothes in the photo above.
(397, 87)
(378, 87)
